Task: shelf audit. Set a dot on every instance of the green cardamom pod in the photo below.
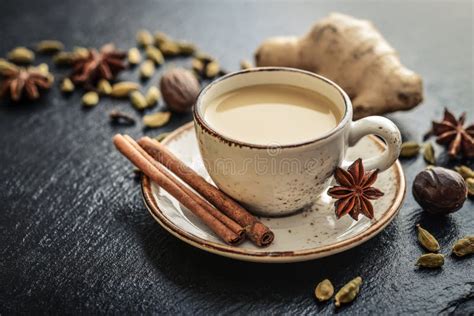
(245, 64)
(186, 48)
(67, 85)
(169, 48)
(464, 246)
(147, 69)
(429, 154)
(49, 46)
(80, 52)
(430, 260)
(212, 69)
(155, 55)
(144, 38)
(43, 69)
(470, 186)
(152, 96)
(123, 89)
(138, 100)
(197, 65)
(104, 87)
(161, 136)
(157, 119)
(91, 98)
(427, 240)
(21, 55)
(348, 292)
(204, 57)
(7, 67)
(160, 38)
(134, 56)
(64, 58)
(324, 290)
(409, 149)
(465, 172)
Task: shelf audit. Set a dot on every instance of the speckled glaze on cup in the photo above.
(276, 180)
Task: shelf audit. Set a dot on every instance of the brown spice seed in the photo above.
(179, 88)
(118, 117)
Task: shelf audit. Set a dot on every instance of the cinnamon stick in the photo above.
(236, 228)
(260, 234)
(129, 151)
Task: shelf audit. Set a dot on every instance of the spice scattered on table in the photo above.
(179, 89)
(21, 55)
(122, 118)
(49, 46)
(90, 99)
(123, 89)
(439, 190)
(138, 100)
(451, 133)
(427, 240)
(147, 69)
(324, 290)
(67, 86)
(464, 246)
(430, 260)
(157, 119)
(144, 38)
(19, 81)
(465, 172)
(409, 149)
(429, 154)
(134, 57)
(104, 87)
(348, 292)
(152, 96)
(105, 63)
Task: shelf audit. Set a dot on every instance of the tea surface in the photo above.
(272, 114)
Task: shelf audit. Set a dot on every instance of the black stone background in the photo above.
(76, 238)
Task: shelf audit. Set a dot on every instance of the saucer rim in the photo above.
(272, 256)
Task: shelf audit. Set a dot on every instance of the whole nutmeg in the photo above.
(439, 190)
(180, 89)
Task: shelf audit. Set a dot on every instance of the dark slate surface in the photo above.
(76, 237)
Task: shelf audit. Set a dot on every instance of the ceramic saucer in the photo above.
(311, 234)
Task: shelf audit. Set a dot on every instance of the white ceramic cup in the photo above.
(278, 180)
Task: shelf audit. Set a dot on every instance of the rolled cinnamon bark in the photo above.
(260, 234)
(128, 150)
(236, 228)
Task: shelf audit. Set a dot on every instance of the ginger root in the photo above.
(353, 54)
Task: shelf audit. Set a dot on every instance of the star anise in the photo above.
(354, 191)
(103, 64)
(18, 81)
(452, 134)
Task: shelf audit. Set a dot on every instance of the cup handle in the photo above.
(380, 126)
